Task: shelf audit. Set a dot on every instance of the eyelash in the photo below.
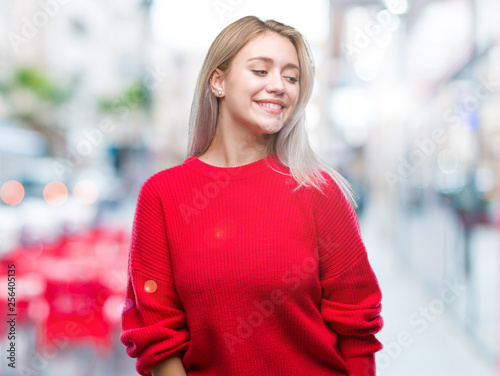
(293, 81)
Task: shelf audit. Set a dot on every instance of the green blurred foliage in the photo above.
(39, 83)
(137, 96)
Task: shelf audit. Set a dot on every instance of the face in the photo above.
(262, 87)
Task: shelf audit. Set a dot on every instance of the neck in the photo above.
(237, 147)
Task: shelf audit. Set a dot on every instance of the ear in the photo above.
(217, 82)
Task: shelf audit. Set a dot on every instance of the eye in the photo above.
(293, 80)
(259, 71)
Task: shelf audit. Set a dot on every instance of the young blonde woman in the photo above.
(247, 258)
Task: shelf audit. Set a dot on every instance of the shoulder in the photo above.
(331, 198)
(333, 212)
(329, 188)
(163, 181)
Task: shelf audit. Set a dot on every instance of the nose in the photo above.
(275, 84)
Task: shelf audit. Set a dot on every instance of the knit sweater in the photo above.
(238, 275)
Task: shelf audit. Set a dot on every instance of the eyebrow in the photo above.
(269, 60)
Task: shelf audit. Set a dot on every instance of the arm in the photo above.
(170, 367)
(154, 327)
(351, 300)
(351, 305)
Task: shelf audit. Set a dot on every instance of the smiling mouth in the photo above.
(271, 108)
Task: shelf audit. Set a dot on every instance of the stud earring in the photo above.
(220, 92)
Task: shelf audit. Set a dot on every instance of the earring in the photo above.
(220, 92)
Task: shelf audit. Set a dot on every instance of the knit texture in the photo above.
(239, 276)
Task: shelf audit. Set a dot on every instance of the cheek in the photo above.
(246, 90)
(254, 86)
(239, 103)
(295, 97)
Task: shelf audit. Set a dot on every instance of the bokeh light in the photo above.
(127, 305)
(150, 286)
(113, 308)
(38, 309)
(85, 192)
(12, 192)
(55, 193)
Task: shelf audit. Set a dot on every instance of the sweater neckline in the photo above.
(231, 173)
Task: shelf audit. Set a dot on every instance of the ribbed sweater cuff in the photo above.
(361, 365)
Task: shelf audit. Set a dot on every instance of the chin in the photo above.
(270, 129)
(268, 126)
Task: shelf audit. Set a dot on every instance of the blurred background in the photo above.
(95, 98)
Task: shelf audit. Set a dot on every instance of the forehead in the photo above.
(271, 45)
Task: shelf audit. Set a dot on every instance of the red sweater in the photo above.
(239, 276)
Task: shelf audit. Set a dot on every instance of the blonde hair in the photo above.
(290, 144)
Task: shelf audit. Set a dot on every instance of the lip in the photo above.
(273, 111)
(273, 101)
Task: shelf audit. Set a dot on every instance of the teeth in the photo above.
(270, 105)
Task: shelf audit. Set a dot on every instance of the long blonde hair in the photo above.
(291, 143)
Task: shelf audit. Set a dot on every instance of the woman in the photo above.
(247, 258)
